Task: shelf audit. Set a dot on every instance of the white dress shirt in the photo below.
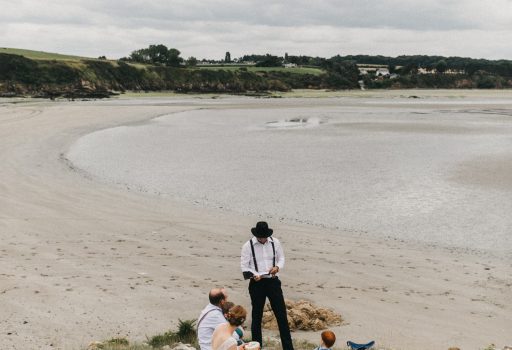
(264, 256)
(207, 325)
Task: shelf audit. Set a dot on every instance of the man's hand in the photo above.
(274, 270)
(256, 278)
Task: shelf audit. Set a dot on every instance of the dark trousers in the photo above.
(269, 288)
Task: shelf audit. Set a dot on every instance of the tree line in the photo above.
(161, 55)
(160, 68)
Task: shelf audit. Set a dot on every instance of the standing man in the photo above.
(261, 260)
(211, 316)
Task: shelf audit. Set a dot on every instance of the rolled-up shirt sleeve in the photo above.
(245, 259)
(279, 255)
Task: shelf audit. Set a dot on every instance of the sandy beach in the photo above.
(84, 260)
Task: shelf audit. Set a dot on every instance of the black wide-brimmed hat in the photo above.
(262, 230)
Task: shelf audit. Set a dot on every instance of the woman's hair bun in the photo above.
(237, 315)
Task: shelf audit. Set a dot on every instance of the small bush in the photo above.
(186, 331)
(118, 341)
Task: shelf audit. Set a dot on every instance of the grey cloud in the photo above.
(40, 12)
(345, 13)
(415, 15)
(208, 28)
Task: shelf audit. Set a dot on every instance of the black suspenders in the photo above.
(274, 252)
(254, 255)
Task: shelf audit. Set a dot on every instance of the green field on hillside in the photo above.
(295, 70)
(41, 55)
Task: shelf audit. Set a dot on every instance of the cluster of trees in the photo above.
(409, 64)
(404, 64)
(164, 56)
(161, 55)
(306, 60)
(157, 55)
(276, 61)
(341, 73)
(401, 64)
(269, 60)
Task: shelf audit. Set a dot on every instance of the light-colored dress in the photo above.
(227, 344)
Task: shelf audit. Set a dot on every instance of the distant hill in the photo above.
(41, 55)
(44, 74)
(40, 74)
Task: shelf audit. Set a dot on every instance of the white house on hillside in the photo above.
(422, 70)
(382, 72)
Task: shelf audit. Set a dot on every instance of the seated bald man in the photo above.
(211, 316)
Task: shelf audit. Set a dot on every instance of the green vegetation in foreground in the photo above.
(294, 70)
(270, 344)
(40, 55)
(186, 333)
(187, 336)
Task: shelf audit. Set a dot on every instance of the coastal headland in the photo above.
(84, 260)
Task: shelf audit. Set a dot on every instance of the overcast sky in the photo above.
(209, 28)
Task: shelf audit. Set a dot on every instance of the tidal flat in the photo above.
(431, 169)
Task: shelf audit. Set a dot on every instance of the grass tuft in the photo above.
(186, 334)
(159, 340)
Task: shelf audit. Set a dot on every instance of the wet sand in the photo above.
(436, 173)
(82, 260)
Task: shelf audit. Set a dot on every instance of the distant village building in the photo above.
(454, 71)
(367, 70)
(290, 65)
(422, 70)
(382, 72)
